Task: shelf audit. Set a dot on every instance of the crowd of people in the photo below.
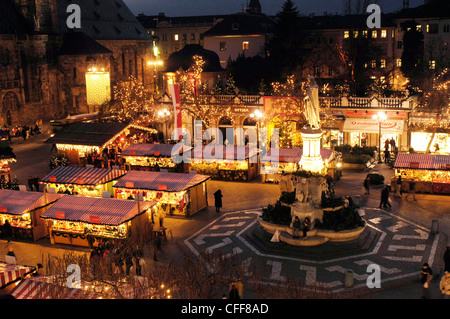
(24, 131)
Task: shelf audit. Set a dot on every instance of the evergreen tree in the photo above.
(413, 54)
(285, 46)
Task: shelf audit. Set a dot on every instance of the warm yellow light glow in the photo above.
(98, 87)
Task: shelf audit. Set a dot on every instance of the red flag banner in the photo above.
(175, 90)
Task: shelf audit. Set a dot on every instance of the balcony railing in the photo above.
(9, 84)
(366, 102)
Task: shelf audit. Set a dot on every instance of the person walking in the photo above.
(447, 259)
(444, 285)
(30, 183)
(36, 183)
(412, 189)
(7, 231)
(398, 187)
(297, 225)
(128, 262)
(218, 200)
(426, 275)
(384, 203)
(367, 185)
(387, 156)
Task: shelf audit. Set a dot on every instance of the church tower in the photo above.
(253, 7)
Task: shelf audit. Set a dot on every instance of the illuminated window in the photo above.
(398, 62)
(374, 64)
(419, 28)
(245, 45)
(432, 64)
(382, 63)
(383, 33)
(374, 34)
(223, 46)
(364, 33)
(346, 34)
(355, 34)
(176, 37)
(393, 33)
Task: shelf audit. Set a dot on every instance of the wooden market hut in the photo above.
(87, 221)
(431, 172)
(22, 210)
(288, 162)
(178, 193)
(97, 143)
(7, 156)
(84, 181)
(153, 157)
(230, 163)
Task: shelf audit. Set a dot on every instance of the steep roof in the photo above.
(11, 20)
(242, 24)
(432, 9)
(184, 59)
(105, 20)
(79, 43)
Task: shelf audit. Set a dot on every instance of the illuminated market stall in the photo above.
(178, 193)
(22, 210)
(153, 157)
(97, 144)
(87, 221)
(230, 163)
(12, 274)
(288, 160)
(431, 172)
(6, 157)
(84, 181)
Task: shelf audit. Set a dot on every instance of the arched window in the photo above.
(225, 121)
(10, 102)
(249, 122)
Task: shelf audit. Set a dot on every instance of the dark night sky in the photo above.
(271, 7)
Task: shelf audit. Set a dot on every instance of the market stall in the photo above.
(431, 172)
(230, 163)
(288, 162)
(87, 221)
(84, 181)
(22, 211)
(153, 157)
(178, 193)
(97, 144)
(6, 157)
(11, 274)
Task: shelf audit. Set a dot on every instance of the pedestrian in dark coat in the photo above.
(447, 259)
(367, 185)
(36, 183)
(218, 200)
(7, 231)
(426, 275)
(128, 262)
(30, 183)
(385, 198)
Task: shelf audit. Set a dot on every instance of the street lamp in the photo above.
(258, 115)
(380, 117)
(155, 65)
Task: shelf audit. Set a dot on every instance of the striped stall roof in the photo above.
(294, 155)
(82, 175)
(110, 211)
(149, 150)
(41, 288)
(422, 161)
(10, 273)
(19, 202)
(231, 152)
(171, 182)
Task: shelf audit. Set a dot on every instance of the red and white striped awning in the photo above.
(19, 202)
(10, 273)
(163, 181)
(82, 175)
(38, 288)
(422, 161)
(106, 211)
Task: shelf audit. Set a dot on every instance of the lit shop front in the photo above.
(153, 157)
(97, 143)
(87, 222)
(366, 131)
(84, 181)
(431, 172)
(178, 193)
(439, 144)
(229, 163)
(22, 211)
